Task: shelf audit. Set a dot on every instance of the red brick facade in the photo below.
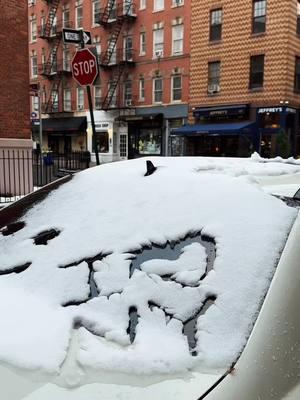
(14, 82)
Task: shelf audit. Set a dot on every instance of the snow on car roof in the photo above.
(68, 273)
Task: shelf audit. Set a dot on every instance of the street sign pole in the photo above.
(41, 134)
(88, 90)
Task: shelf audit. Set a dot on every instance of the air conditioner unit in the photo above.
(178, 2)
(213, 88)
(159, 53)
(128, 103)
(80, 107)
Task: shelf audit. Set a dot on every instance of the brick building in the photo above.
(14, 102)
(143, 49)
(245, 79)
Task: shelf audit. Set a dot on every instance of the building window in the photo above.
(142, 4)
(53, 61)
(101, 139)
(128, 48)
(157, 90)
(66, 60)
(53, 30)
(67, 100)
(215, 29)
(66, 18)
(259, 16)
(158, 43)
(214, 75)
(297, 74)
(158, 5)
(96, 12)
(97, 44)
(142, 89)
(33, 29)
(34, 66)
(177, 39)
(128, 93)
(80, 98)
(298, 17)
(123, 145)
(97, 97)
(177, 3)
(35, 104)
(142, 43)
(79, 16)
(54, 100)
(176, 87)
(257, 71)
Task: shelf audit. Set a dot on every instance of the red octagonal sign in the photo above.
(84, 67)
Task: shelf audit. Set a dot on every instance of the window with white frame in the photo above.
(157, 89)
(142, 4)
(97, 44)
(128, 48)
(158, 5)
(142, 43)
(80, 98)
(33, 29)
(43, 25)
(97, 97)
(35, 104)
(142, 89)
(53, 30)
(128, 93)
(43, 56)
(66, 59)
(176, 87)
(158, 43)
(79, 16)
(67, 100)
(34, 66)
(177, 39)
(66, 17)
(96, 12)
(177, 3)
(54, 100)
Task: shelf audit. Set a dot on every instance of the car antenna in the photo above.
(150, 168)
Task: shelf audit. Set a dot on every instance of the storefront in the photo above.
(149, 129)
(277, 131)
(62, 135)
(218, 131)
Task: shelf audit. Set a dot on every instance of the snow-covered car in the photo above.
(179, 283)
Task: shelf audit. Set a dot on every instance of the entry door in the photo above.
(123, 147)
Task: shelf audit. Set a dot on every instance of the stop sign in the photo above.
(84, 67)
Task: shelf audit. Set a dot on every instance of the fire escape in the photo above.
(51, 69)
(114, 18)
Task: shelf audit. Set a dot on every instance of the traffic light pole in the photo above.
(89, 94)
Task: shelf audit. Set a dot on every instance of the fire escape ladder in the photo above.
(50, 105)
(52, 58)
(112, 42)
(112, 87)
(50, 18)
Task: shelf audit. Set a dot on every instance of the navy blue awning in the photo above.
(233, 128)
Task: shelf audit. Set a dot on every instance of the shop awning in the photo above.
(68, 125)
(233, 128)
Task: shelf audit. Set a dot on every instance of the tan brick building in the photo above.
(15, 131)
(243, 85)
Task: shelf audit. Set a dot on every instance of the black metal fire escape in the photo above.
(50, 69)
(113, 18)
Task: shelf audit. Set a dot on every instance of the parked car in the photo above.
(179, 281)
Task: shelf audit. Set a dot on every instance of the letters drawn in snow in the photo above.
(84, 67)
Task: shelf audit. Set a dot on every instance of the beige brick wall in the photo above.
(280, 44)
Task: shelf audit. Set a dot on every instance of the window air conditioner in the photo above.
(80, 107)
(159, 53)
(128, 102)
(213, 88)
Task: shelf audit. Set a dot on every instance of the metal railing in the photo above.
(23, 171)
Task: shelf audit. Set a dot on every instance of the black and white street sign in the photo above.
(73, 36)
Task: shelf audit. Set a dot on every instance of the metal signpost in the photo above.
(84, 69)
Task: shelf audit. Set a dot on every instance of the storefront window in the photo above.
(102, 140)
(149, 141)
(270, 120)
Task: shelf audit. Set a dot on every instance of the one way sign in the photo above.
(74, 36)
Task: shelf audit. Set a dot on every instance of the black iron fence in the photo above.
(23, 171)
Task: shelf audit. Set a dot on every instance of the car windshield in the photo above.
(141, 275)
